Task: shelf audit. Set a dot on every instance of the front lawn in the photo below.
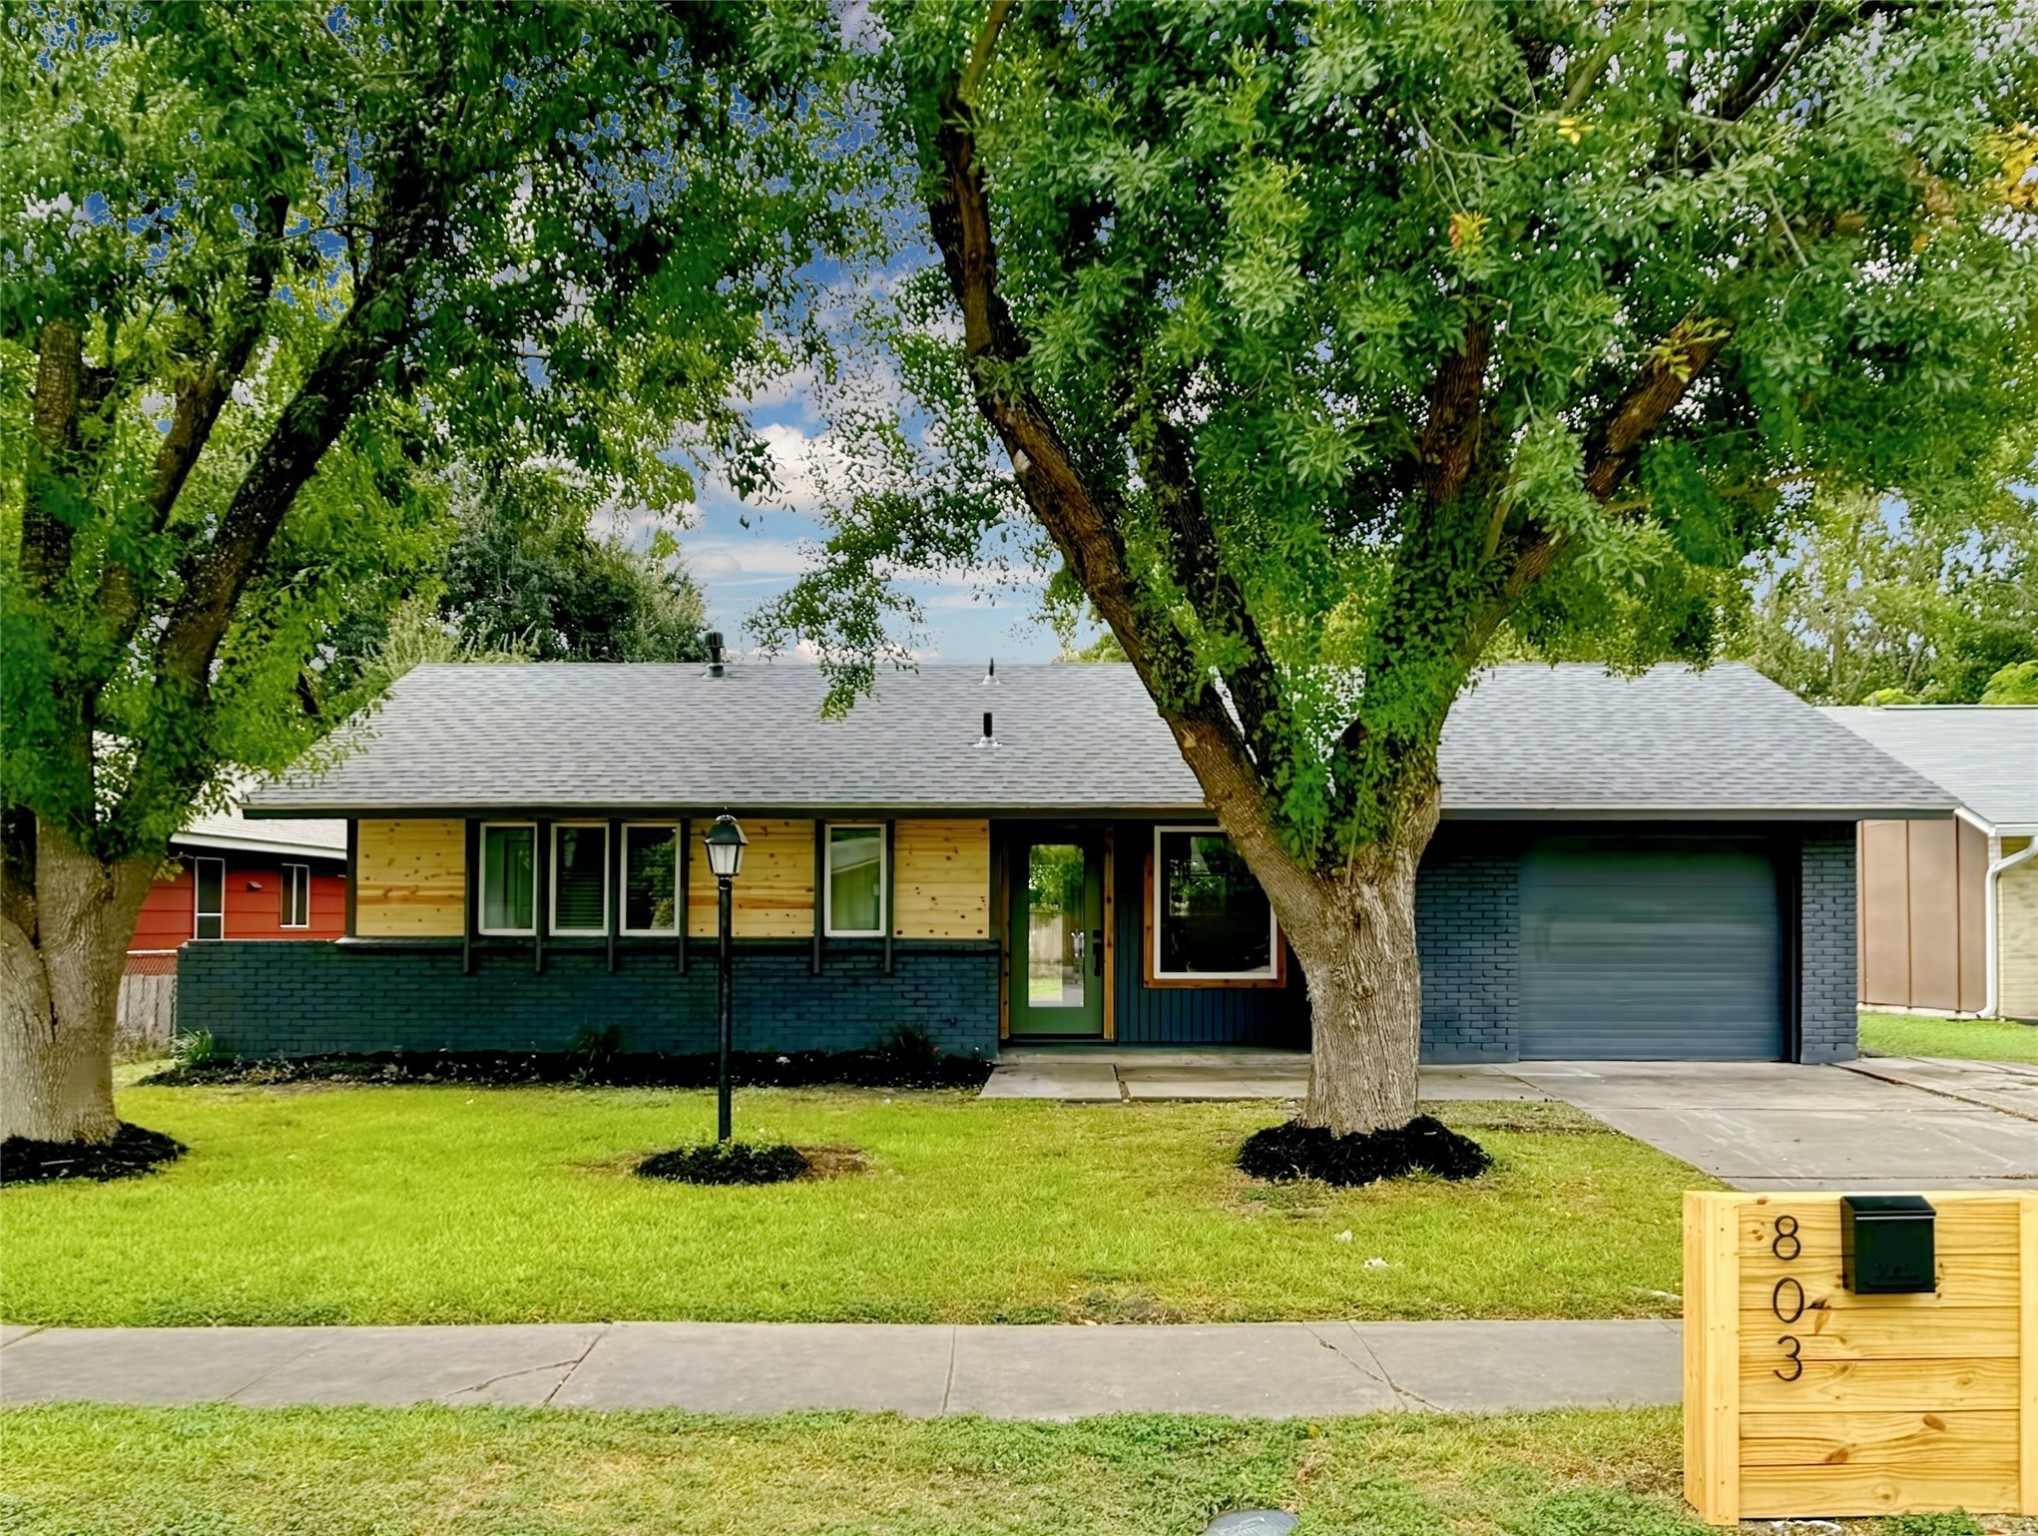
(464, 1205)
(111, 1472)
(1909, 1034)
(84, 1471)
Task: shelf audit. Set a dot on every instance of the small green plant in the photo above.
(1958, 1523)
(597, 1046)
(196, 1049)
(910, 1046)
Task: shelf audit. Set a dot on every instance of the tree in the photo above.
(2016, 683)
(1916, 604)
(525, 564)
(262, 269)
(524, 574)
(1326, 341)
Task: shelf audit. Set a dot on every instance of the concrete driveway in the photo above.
(1880, 1123)
(1772, 1125)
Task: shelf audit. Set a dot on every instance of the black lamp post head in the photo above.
(725, 843)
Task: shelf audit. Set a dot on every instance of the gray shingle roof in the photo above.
(1526, 741)
(1985, 756)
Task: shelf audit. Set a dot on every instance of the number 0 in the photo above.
(1776, 1302)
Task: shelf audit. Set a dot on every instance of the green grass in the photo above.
(457, 1205)
(1908, 1034)
(225, 1471)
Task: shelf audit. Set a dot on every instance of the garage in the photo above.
(1654, 950)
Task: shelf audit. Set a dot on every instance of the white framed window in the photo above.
(652, 899)
(853, 884)
(580, 878)
(296, 896)
(509, 877)
(1211, 920)
(208, 880)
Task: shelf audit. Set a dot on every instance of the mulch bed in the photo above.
(749, 1069)
(131, 1152)
(727, 1162)
(1282, 1153)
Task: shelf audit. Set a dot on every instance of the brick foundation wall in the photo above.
(1828, 975)
(259, 999)
(1468, 923)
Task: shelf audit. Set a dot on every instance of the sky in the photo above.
(739, 567)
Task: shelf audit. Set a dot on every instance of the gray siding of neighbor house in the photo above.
(265, 998)
(269, 999)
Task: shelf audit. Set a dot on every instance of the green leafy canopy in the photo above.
(265, 269)
(1331, 342)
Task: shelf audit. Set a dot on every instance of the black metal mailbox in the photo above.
(1886, 1246)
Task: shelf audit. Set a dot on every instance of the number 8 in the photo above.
(1786, 1235)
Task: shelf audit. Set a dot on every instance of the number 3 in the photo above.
(1796, 1364)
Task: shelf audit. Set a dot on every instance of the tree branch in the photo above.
(1082, 527)
(201, 396)
(1615, 444)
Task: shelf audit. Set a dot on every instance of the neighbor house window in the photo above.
(209, 877)
(296, 895)
(856, 881)
(509, 869)
(1211, 920)
(651, 895)
(580, 878)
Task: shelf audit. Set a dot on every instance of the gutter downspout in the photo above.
(1993, 968)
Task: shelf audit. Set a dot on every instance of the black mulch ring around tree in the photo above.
(1281, 1153)
(875, 1068)
(132, 1151)
(728, 1162)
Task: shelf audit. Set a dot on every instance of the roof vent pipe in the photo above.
(991, 673)
(988, 742)
(715, 668)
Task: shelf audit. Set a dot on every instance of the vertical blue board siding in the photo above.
(1264, 1016)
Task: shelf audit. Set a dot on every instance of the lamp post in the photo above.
(725, 843)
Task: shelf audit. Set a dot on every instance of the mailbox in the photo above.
(1886, 1246)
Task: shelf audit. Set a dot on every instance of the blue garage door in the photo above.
(1650, 952)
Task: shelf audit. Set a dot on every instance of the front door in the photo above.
(1058, 935)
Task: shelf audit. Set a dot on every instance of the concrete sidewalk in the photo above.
(1273, 1370)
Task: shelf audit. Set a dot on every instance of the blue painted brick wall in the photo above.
(1828, 979)
(276, 998)
(299, 999)
(1468, 927)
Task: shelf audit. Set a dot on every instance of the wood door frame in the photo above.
(1004, 835)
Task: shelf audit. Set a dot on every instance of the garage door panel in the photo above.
(1650, 953)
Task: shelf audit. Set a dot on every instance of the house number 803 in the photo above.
(1788, 1293)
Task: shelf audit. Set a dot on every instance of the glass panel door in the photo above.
(1057, 937)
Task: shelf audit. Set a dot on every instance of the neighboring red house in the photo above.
(230, 879)
(235, 879)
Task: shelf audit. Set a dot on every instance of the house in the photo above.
(1661, 867)
(1949, 909)
(229, 878)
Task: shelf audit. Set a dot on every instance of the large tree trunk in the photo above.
(59, 989)
(1356, 944)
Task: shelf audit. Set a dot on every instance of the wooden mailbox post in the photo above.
(1802, 1398)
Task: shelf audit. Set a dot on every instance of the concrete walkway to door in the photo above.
(1880, 1123)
